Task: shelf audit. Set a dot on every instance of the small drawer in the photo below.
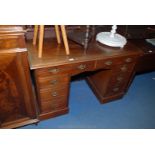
(52, 71)
(70, 69)
(113, 90)
(53, 81)
(117, 83)
(120, 78)
(82, 67)
(52, 94)
(124, 69)
(54, 105)
(130, 59)
(107, 64)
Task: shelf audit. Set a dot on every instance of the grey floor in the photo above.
(136, 110)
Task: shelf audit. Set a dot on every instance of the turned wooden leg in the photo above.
(41, 37)
(57, 34)
(64, 36)
(35, 34)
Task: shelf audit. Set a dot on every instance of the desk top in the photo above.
(144, 46)
(54, 54)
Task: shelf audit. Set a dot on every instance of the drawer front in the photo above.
(82, 67)
(70, 69)
(123, 69)
(119, 80)
(53, 105)
(115, 61)
(54, 82)
(52, 94)
(52, 71)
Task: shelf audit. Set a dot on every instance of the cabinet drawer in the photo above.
(53, 105)
(70, 69)
(82, 67)
(115, 61)
(124, 69)
(52, 94)
(118, 83)
(53, 82)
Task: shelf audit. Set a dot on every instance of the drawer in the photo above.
(70, 69)
(52, 94)
(115, 87)
(83, 67)
(123, 69)
(54, 82)
(107, 64)
(54, 105)
(114, 91)
(118, 83)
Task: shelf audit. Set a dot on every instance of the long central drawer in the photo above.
(70, 69)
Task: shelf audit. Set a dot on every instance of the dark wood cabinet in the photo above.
(17, 104)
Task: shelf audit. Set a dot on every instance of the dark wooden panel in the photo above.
(147, 60)
(17, 104)
(15, 97)
(10, 90)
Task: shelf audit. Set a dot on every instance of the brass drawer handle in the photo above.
(119, 78)
(81, 67)
(53, 82)
(128, 60)
(116, 89)
(54, 94)
(124, 68)
(55, 70)
(108, 63)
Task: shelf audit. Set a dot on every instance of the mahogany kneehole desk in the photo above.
(112, 71)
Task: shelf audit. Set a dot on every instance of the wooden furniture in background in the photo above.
(146, 62)
(17, 104)
(41, 38)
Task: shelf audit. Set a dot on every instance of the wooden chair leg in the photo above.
(41, 37)
(35, 34)
(57, 34)
(64, 36)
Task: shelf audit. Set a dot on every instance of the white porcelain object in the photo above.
(111, 38)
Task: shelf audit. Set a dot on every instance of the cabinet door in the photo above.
(16, 97)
